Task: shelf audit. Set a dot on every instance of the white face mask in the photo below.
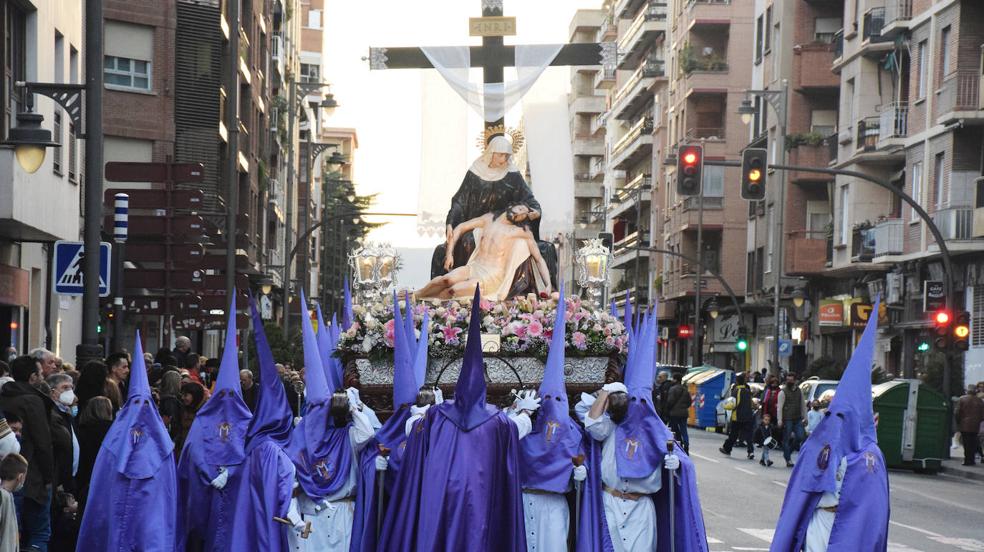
(67, 397)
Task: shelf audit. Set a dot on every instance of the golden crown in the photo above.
(500, 130)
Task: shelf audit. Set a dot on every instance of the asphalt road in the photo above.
(741, 501)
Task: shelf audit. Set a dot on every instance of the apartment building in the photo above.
(586, 106)
(793, 49)
(335, 239)
(40, 45)
(640, 78)
(912, 114)
(708, 46)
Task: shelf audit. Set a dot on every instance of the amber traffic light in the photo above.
(754, 162)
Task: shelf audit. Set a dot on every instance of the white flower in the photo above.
(367, 344)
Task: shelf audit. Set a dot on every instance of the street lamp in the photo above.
(30, 141)
(747, 111)
(593, 261)
(364, 261)
(799, 297)
(713, 309)
(266, 285)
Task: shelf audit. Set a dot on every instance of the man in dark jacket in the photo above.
(23, 399)
(742, 418)
(678, 401)
(970, 413)
(661, 393)
(791, 413)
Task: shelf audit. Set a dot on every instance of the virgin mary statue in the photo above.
(492, 184)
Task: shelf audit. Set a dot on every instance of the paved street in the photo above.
(741, 501)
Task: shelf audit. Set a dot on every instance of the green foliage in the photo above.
(284, 350)
(804, 139)
(932, 374)
(825, 367)
(690, 61)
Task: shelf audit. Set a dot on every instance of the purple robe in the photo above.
(132, 503)
(457, 489)
(847, 430)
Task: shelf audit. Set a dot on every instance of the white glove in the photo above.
(381, 463)
(528, 401)
(297, 420)
(615, 387)
(294, 517)
(438, 395)
(353, 397)
(671, 462)
(580, 473)
(220, 481)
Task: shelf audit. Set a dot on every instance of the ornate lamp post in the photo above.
(593, 261)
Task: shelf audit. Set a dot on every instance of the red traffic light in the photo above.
(941, 318)
(690, 158)
(684, 332)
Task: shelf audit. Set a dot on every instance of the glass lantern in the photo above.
(593, 262)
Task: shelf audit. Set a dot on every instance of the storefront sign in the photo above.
(831, 312)
(934, 295)
(861, 312)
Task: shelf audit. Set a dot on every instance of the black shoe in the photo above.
(762, 462)
(769, 464)
(751, 456)
(724, 452)
(789, 464)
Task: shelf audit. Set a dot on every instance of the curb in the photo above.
(956, 470)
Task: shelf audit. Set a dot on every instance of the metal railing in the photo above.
(874, 21)
(644, 125)
(955, 223)
(894, 121)
(961, 91)
(897, 11)
(709, 133)
(654, 11)
(838, 43)
(889, 237)
(691, 203)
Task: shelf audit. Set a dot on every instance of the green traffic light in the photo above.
(742, 345)
(923, 346)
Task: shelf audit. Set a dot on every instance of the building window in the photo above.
(713, 181)
(922, 70)
(938, 169)
(56, 135)
(944, 52)
(14, 62)
(121, 72)
(825, 28)
(314, 19)
(310, 72)
(73, 155)
(844, 221)
(977, 318)
(758, 39)
(770, 222)
(917, 172)
(768, 25)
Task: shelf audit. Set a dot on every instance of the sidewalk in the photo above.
(954, 466)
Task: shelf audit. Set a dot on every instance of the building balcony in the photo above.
(588, 104)
(605, 78)
(588, 146)
(893, 124)
(838, 45)
(961, 97)
(625, 9)
(806, 155)
(608, 30)
(624, 255)
(897, 16)
(889, 237)
(585, 188)
(813, 65)
(873, 43)
(597, 169)
(806, 253)
(862, 244)
(639, 37)
(277, 52)
(706, 133)
(635, 194)
(636, 90)
(955, 223)
(637, 143)
(706, 4)
(683, 282)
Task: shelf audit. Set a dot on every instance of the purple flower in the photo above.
(450, 333)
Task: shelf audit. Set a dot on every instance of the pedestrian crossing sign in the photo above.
(68, 278)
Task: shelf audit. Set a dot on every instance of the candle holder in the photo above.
(593, 262)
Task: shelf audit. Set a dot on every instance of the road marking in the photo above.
(972, 545)
(743, 470)
(896, 547)
(711, 540)
(747, 548)
(916, 529)
(898, 487)
(763, 534)
(702, 457)
(780, 483)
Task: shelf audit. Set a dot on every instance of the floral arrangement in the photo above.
(524, 326)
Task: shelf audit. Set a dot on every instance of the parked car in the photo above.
(816, 389)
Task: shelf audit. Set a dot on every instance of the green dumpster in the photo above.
(911, 421)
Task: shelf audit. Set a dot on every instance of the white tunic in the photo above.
(631, 523)
(822, 522)
(548, 519)
(331, 518)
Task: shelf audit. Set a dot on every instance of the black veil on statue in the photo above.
(486, 190)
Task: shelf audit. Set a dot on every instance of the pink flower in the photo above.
(580, 340)
(485, 305)
(610, 341)
(535, 329)
(451, 333)
(389, 332)
(520, 330)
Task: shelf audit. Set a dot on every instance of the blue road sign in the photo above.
(69, 257)
(785, 347)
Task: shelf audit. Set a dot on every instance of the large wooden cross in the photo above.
(493, 56)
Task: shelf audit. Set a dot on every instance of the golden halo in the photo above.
(514, 133)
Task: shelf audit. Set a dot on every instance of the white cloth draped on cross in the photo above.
(491, 100)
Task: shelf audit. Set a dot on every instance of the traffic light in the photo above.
(690, 165)
(923, 345)
(961, 331)
(941, 324)
(684, 332)
(753, 169)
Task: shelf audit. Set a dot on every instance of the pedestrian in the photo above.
(10, 353)
(9, 442)
(193, 396)
(761, 376)
(64, 439)
(763, 437)
(119, 370)
(13, 473)
(22, 398)
(4, 374)
(182, 348)
(249, 389)
(742, 418)
(47, 360)
(770, 396)
(193, 366)
(661, 394)
(170, 403)
(969, 414)
(792, 416)
(94, 422)
(678, 406)
(813, 417)
(92, 382)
